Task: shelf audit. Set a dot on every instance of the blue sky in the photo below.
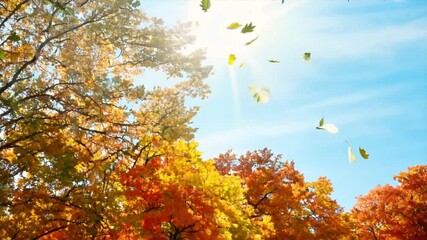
(367, 75)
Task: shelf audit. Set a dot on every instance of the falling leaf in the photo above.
(231, 59)
(322, 121)
(206, 4)
(248, 28)
(261, 95)
(197, 23)
(351, 156)
(241, 65)
(329, 127)
(251, 41)
(234, 25)
(274, 61)
(307, 56)
(363, 153)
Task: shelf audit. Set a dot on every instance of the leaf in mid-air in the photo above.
(363, 153)
(251, 41)
(248, 28)
(197, 23)
(322, 121)
(274, 61)
(234, 25)
(261, 95)
(206, 4)
(231, 59)
(329, 127)
(241, 65)
(307, 56)
(351, 156)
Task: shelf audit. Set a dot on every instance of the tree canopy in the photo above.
(88, 153)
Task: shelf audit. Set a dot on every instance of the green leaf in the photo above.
(363, 153)
(251, 41)
(241, 65)
(274, 61)
(261, 95)
(351, 156)
(136, 4)
(61, 7)
(206, 4)
(234, 25)
(321, 121)
(248, 28)
(307, 56)
(197, 23)
(13, 37)
(231, 59)
(2, 55)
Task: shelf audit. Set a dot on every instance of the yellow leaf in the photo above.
(231, 59)
(351, 156)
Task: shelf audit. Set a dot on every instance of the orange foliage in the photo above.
(298, 209)
(395, 212)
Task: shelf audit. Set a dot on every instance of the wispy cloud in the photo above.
(265, 130)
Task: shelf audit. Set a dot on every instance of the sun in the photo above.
(212, 34)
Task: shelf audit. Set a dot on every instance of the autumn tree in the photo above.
(277, 191)
(395, 212)
(177, 195)
(70, 111)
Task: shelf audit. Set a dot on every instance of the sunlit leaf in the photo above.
(329, 127)
(248, 28)
(197, 23)
(251, 41)
(206, 4)
(261, 95)
(274, 61)
(351, 156)
(234, 25)
(363, 153)
(307, 56)
(241, 65)
(1, 55)
(231, 59)
(322, 121)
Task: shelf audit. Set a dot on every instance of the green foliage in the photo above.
(251, 41)
(205, 4)
(307, 56)
(248, 28)
(274, 61)
(322, 121)
(14, 37)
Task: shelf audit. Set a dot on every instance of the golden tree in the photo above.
(70, 111)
